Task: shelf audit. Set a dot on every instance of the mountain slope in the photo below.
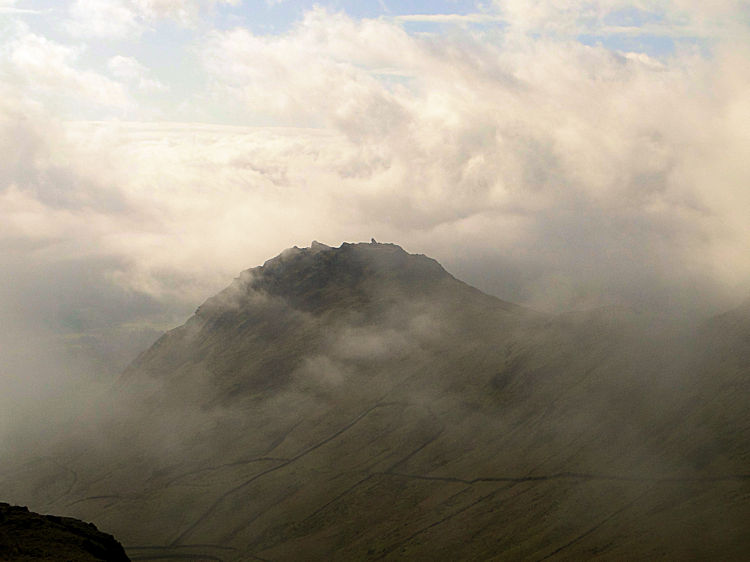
(361, 403)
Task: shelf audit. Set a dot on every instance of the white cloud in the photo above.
(449, 18)
(592, 155)
(11, 10)
(542, 170)
(185, 11)
(128, 69)
(118, 19)
(324, 62)
(48, 70)
(8, 7)
(103, 18)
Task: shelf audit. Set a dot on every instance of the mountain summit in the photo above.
(321, 278)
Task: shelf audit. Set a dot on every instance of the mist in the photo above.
(585, 162)
(334, 376)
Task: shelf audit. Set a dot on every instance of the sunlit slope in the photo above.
(361, 403)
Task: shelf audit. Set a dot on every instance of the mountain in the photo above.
(26, 535)
(360, 403)
(271, 321)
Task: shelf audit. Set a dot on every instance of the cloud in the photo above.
(6, 10)
(130, 70)
(663, 18)
(47, 70)
(542, 170)
(184, 11)
(449, 18)
(570, 158)
(117, 19)
(103, 18)
(7, 7)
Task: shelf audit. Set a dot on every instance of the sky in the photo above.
(559, 154)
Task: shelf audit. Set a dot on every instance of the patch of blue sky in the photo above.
(43, 17)
(633, 17)
(31, 7)
(261, 17)
(653, 45)
(650, 45)
(405, 7)
(271, 17)
(649, 32)
(438, 26)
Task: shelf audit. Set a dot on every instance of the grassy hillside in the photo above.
(360, 403)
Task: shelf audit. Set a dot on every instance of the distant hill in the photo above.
(360, 403)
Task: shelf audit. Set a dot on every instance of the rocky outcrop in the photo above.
(25, 535)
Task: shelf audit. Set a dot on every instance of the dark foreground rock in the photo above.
(25, 535)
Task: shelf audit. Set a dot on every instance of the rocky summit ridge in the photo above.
(322, 278)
